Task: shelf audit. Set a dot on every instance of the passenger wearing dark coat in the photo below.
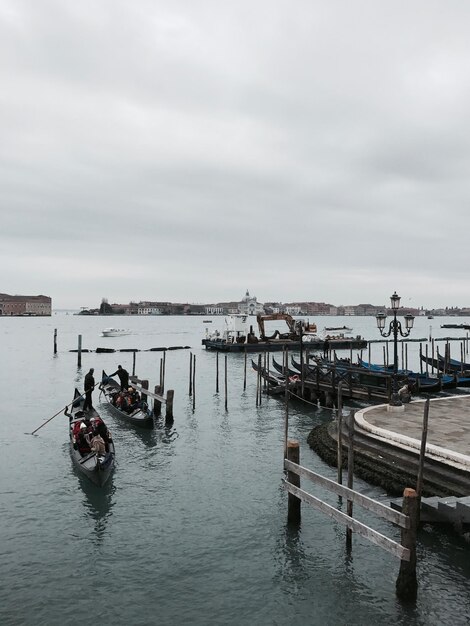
(89, 386)
(123, 376)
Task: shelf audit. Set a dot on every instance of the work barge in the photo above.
(238, 336)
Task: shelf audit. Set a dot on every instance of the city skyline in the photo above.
(174, 148)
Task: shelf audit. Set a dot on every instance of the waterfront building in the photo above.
(149, 308)
(214, 309)
(25, 305)
(249, 305)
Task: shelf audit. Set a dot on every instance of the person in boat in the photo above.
(122, 402)
(83, 440)
(103, 432)
(89, 386)
(123, 376)
(134, 399)
(98, 444)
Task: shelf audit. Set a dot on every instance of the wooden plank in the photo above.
(147, 392)
(361, 529)
(382, 510)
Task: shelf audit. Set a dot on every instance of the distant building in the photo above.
(214, 309)
(149, 308)
(249, 305)
(25, 305)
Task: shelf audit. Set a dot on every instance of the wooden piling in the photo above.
(260, 386)
(244, 372)
(79, 352)
(157, 405)
(422, 453)
(286, 418)
(226, 384)
(339, 455)
(194, 381)
(349, 510)
(55, 340)
(145, 386)
(169, 405)
(190, 373)
(407, 583)
(293, 504)
(161, 373)
(217, 372)
(164, 371)
(133, 363)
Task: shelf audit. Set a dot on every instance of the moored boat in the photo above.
(115, 332)
(95, 464)
(139, 416)
(345, 329)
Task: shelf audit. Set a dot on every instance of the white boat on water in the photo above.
(115, 332)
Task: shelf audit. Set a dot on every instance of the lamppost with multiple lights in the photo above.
(395, 328)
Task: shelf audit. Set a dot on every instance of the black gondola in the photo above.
(97, 467)
(139, 417)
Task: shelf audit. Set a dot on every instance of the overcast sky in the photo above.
(190, 150)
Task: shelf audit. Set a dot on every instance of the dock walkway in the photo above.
(448, 448)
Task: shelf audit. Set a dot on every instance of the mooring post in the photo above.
(293, 502)
(190, 373)
(194, 381)
(145, 386)
(169, 405)
(244, 372)
(257, 384)
(226, 384)
(217, 372)
(286, 418)
(164, 371)
(133, 363)
(349, 510)
(157, 405)
(422, 453)
(407, 583)
(339, 455)
(161, 373)
(79, 354)
(55, 340)
(260, 388)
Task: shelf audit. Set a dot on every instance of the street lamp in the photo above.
(394, 328)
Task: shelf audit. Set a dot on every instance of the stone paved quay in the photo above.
(448, 436)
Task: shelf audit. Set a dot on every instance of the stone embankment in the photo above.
(389, 466)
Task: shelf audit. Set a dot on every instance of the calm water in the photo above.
(192, 528)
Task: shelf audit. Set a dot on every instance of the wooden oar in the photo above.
(61, 411)
(58, 413)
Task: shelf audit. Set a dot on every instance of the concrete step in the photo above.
(450, 510)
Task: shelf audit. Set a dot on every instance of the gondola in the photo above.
(140, 417)
(97, 467)
(421, 381)
(276, 383)
(280, 368)
(451, 365)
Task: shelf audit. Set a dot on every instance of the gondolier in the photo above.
(123, 376)
(89, 386)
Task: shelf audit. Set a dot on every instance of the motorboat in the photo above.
(115, 332)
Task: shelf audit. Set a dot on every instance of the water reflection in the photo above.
(98, 503)
(290, 556)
